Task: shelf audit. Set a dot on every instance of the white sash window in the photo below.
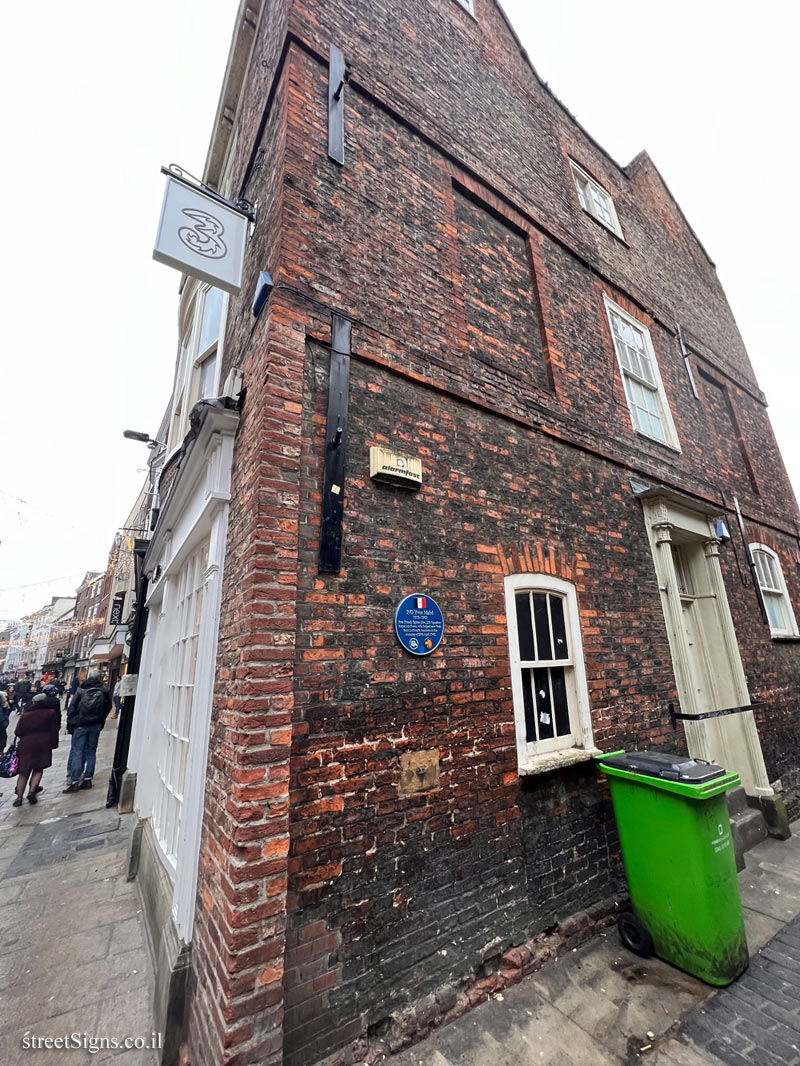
(548, 682)
(782, 622)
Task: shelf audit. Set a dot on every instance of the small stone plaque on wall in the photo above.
(419, 772)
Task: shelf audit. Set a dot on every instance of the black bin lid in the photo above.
(667, 767)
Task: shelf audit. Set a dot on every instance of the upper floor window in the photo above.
(551, 705)
(467, 5)
(594, 199)
(196, 375)
(644, 389)
(777, 604)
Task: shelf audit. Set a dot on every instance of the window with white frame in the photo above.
(594, 199)
(174, 701)
(782, 622)
(644, 389)
(551, 704)
(467, 5)
(198, 359)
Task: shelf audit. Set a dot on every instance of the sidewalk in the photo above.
(602, 1006)
(73, 954)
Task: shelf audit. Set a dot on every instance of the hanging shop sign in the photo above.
(419, 624)
(116, 609)
(394, 468)
(202, 235)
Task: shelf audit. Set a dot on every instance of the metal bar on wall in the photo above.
(336, 72)
(330, 544)
(751, 563)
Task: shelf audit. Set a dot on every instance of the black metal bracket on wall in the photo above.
(336, 76)
(710, 714)
(751, 563)
(330, 541)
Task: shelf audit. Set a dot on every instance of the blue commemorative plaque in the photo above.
(419, 624)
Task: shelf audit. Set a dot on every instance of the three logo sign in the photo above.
(205, 236)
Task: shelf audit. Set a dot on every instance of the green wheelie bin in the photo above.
(675, 837)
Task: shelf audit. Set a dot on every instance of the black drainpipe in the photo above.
(123, 744)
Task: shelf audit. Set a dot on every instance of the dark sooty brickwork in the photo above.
(336, 916)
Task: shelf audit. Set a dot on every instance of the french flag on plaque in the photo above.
(420, 603)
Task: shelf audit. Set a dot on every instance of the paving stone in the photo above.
(127, 934)
(73, 951)
(63, 953)
(760, 928)
(756, 1022)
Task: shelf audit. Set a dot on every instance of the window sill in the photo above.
(655, 440)
(785, 638)
(558, 760)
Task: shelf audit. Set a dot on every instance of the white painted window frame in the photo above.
(174, 726)
(190, 359)
(580, 177)
(780, 592)
(467, 5)
(535, 757)
(196, 511)
(670, 432)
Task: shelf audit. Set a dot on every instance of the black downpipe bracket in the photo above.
(330, 544)
(123, 744)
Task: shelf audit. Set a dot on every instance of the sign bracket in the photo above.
(244, 207)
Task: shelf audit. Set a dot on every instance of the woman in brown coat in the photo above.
(38, 728)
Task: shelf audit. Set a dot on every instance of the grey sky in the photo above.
(99, 96)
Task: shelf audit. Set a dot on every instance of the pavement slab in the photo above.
(74, 961)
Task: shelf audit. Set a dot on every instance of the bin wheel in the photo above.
(635, 935)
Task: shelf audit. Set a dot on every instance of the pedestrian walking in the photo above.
(5, 714)
(22, 689)
(116, 697)
(86, 716)
(37, 731)
(11, 696)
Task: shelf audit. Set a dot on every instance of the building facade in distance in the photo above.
(344, 838)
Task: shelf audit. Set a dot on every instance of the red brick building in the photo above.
(463, 277)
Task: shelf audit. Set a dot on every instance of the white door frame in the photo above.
(731, 740)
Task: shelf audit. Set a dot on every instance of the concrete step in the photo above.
(737, 801)
(748, 826)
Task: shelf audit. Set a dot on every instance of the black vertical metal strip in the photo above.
(336, 106)
(751, 563)
(330, 542)
(138, 629)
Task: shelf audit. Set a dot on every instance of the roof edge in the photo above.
(248, 18)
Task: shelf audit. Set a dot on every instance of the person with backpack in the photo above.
(86, 716)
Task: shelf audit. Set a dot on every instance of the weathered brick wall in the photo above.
(396, 898)
(391, 254)
(241, 903)
(475, 285)
(466, 84)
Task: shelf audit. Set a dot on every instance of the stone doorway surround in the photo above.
(705, 652)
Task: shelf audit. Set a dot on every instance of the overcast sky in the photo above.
(98, 96)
